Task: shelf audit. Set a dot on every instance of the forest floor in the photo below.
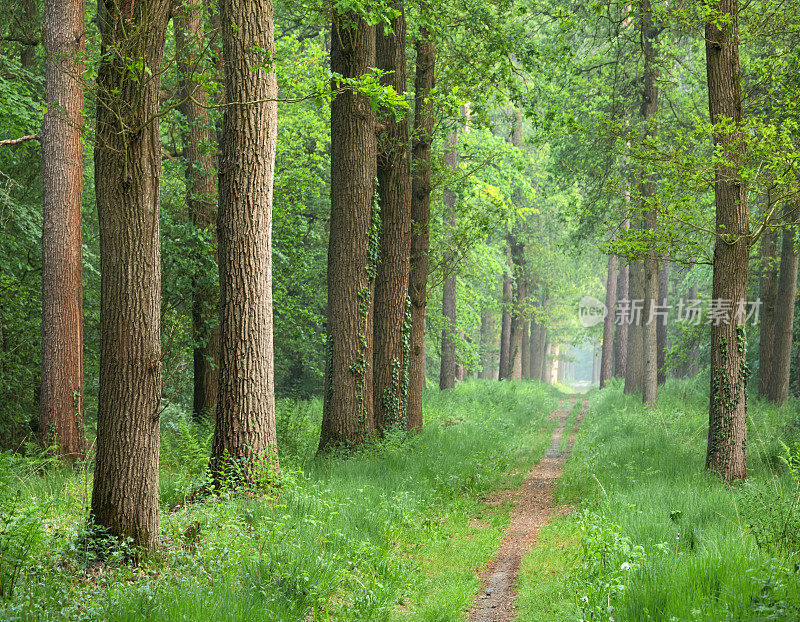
(419, 529)
(533, 508)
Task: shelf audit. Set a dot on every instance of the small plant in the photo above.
(609, 560)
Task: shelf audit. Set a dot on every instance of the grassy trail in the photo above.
(533, 508)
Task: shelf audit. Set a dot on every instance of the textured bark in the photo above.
(621, 330)
(518, 311)
(767, 293)
(487, 339)
(424, 81)
(537, 351)
(634, 363)
(505, 329)
(546, 352)
(447, 370)
(61, 394)
(778, 390)
(127, 179)
(607, 357)
(727, 430)
(390, 330)
(27, 55)
(661, 329)
(525, 348)
(244, 431)
(648, 112)
(347, 417)
(202, 200)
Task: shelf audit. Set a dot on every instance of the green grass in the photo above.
(654, 536)
(395, 532)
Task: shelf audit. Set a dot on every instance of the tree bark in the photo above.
(487, 339)
(201, 173)
(661, 329)
(546, 350)
(391, 338)
(424, 81)
(767, 293)
(727, 430)
(447, 370)
(607, 358)
(649, 112)
(127, 179)
(505, 329)
(621, 330)
(347, 417)
(244, 434)
(634, 363)
(61, 395)
(517, 316)
(784, 318)
(525, 347)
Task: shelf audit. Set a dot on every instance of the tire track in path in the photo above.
(533, 508)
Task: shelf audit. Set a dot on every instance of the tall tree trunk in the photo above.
(505, 329)
(661, 329)
(61, 395)
(27, 55)
(391, 329)
(537, 351)
(727, 430)
(487, 338)
(127, 180)
(634, 359)
(621, 330)
(649, 112)
(447, 370)
(518, 311)
(244, 431)
(784, 318)
(424, 81)
(201, 184)
(347, 416)
(525, 347)
(767, 292)
(607, 357)
(546, 351)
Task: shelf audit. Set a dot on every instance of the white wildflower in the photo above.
(625, 566)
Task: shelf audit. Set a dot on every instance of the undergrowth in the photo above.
(655, 537)
(387, 533)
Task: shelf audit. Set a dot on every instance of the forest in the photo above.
(397, 310)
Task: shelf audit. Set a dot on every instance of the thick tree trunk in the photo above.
(525, 347)
(244, 434)
(649, 112)
(201, 173)
(27, 56)
(607, 357)
(778, 390)
(727, 430)
(767, 293)
(127, 179)
(661, 329)
(505, 329)
(621, 330)
(487, 339)
(61, 395)
(391, 337)
(347, 417)
(424, 82)
(634, 359)
(546, 352)
(447, 370)
(537, 351)
(517, 316)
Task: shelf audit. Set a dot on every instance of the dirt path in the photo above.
(533, 508)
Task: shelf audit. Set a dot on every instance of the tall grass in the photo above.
(349, 539)
(661, 539)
